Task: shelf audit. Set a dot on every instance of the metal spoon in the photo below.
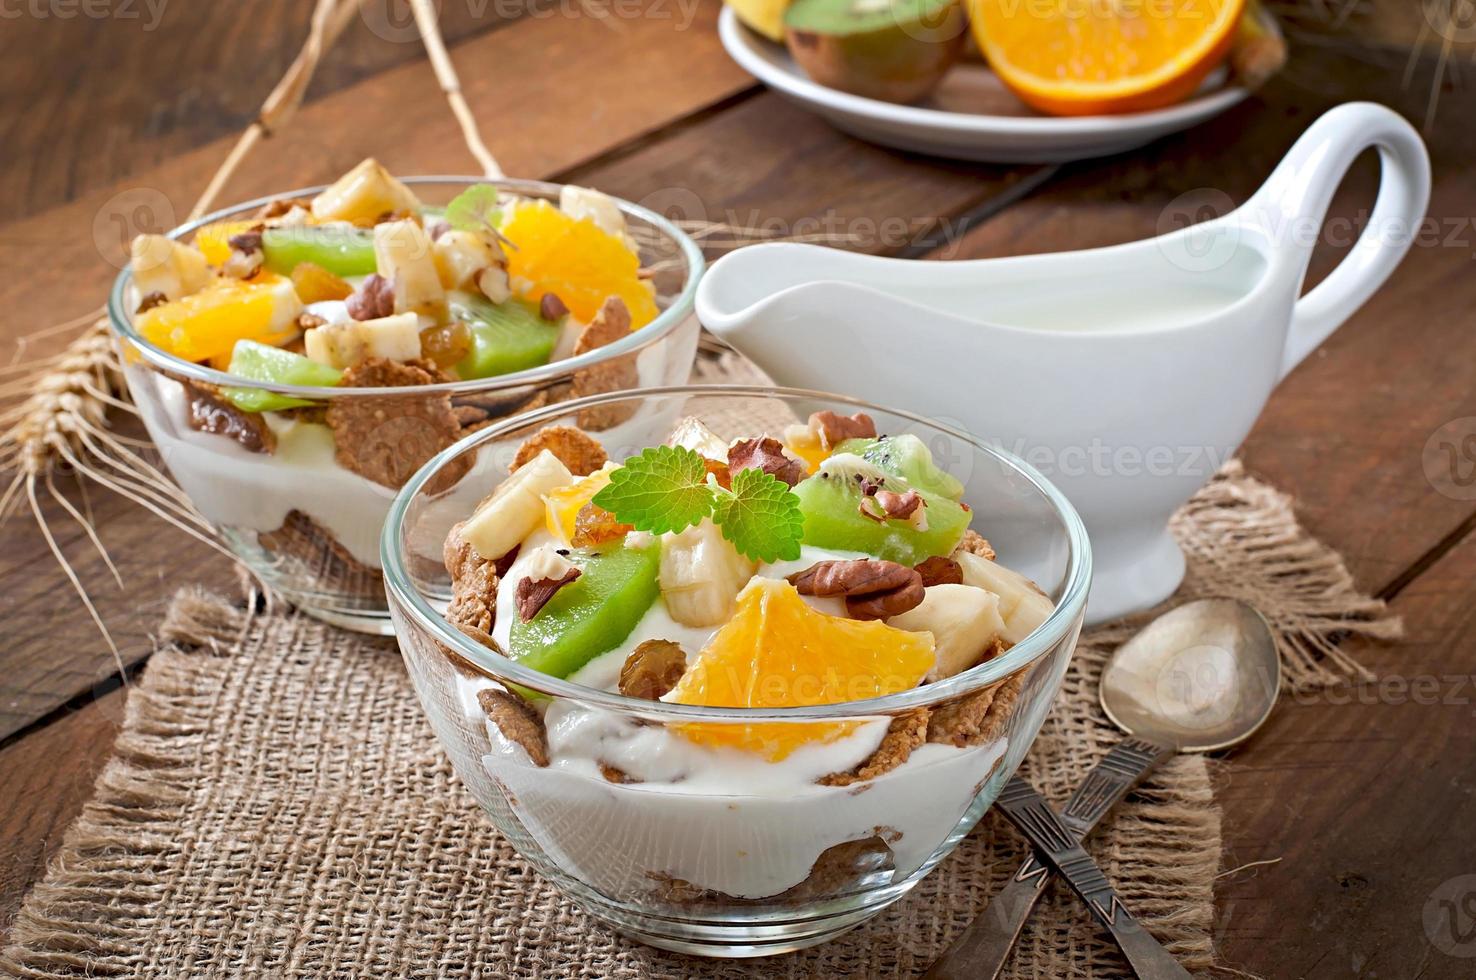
(1198, 678)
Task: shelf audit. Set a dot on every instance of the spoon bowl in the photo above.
(1199, 678)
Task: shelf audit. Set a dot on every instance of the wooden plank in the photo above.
(398, 116)
(1365, 796)
(177, 75)
(45, 779)
(1346, 432)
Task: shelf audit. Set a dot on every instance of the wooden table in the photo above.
(1365, 796)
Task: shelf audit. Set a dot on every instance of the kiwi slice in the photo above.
(893, 50)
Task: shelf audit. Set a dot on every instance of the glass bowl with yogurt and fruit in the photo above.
(295, 359)
(739, 671)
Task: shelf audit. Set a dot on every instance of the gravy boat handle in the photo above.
(1290, 207)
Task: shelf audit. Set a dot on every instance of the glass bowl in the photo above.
(307, 524)
(729, 855)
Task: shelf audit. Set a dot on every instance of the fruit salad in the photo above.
(821, 564)
(364, 286)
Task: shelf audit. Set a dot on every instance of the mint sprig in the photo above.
(667, 488)
(760, 516)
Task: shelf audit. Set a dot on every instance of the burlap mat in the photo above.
(278, 807)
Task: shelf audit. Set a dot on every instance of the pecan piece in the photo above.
(652, 669)
(374, 299)
(884, 505)
(151, 300)
(768, 455)
(548, 572)
(873, 588)
(551, 307)
(854, 577)
(834, 429)
(246, 256)
(940, 571)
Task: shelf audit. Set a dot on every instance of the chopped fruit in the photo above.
(364, 195)
(1022, 605)
(261, 362)
(338, 249)
(832, 502)
(506, 337)
(778, 652)
(764, 16)
(315, 284)
(596, 206)
(964, 622)
(346, 343)
(562, 506)
(446, 343)
(691, 433)
(803, 443)
(460, 257)
(163, 265)
(402, 254)
(895, 50)
(515, 508)
(1076, 59)
(214, 240)
(701, 575)
(208, 323)
(576, 260)
(906, 456)
(593, 613)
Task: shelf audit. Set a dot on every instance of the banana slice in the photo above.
(1022, 604)
(964, 621)
(344, 344)
(364, 195)
(701, 574)
(595, 206)
(516, 507)
(163, 265)
(461, 256)
(403, 255)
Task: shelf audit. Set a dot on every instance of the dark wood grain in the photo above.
(538, 60)
(97, 93)
(1365, 799)
(44, 781)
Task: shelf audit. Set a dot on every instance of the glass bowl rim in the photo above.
(666, 321)
(501, 668)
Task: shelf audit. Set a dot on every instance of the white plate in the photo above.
(971, 116)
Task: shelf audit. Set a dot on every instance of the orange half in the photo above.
(1089, 57)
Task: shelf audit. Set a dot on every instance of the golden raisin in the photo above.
(447, 343)
(314, 284)
(596, 525)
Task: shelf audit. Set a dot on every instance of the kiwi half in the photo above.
(893, 50)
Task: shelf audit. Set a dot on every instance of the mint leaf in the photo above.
(474, 209)
(761, 517)
(663, 489)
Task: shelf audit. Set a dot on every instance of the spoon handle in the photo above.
(1061, 849)
(981, 951)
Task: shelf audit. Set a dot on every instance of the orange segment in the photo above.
(208, 324)
(214, 240)
(778, 652)
(576, 260)
(562, 506)
(1084, 57)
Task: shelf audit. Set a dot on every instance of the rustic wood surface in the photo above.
(1362, 797)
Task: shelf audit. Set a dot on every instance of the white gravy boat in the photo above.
(1125, 374)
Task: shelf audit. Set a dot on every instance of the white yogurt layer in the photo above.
(718, 818)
